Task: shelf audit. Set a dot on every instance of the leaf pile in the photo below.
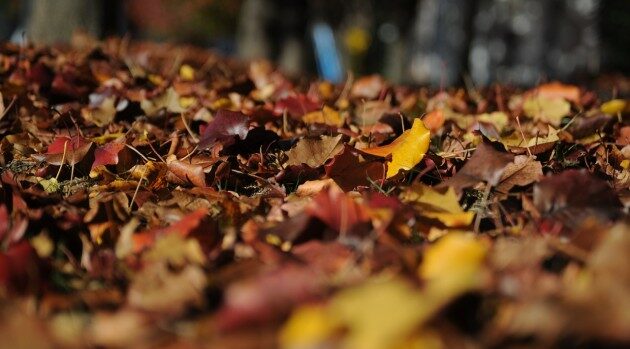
(160, 196)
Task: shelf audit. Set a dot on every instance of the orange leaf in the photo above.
(557, 90)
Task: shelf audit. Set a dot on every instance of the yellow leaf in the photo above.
(498, 119)
(613, 107)
(50, 185)
(328, 116)
(550, 110)
(454, 264)
(443, 206)
(406, 150)
(307, 326)
(155, 79)
(379, 313)
(175, 249)
(187, 72)
(186, 102)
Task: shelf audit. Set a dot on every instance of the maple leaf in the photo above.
(67, 150)
(406, 151)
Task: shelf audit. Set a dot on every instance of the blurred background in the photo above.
(431, 42)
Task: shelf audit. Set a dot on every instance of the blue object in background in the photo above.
(326, 53)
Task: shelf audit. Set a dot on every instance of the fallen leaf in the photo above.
(486, 164)
(554, 90)
(225, 128)
(75, 148)
(434, 120)
(183, 227)
(107, 154)
(349, 172)
(406, 151)
(326, 116)
(442, 205)
(188, 172)
(159, 289)
(523, 171)
(103, 114)
(368, 87)
(297, 105)
(362, 310)
(546, 109)
(314, 152)
(614, 107)
(453, 265)
(534, 145)
(574, 195)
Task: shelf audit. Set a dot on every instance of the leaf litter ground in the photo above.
(163, 197)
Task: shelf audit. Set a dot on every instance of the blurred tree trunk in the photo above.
(51, 21)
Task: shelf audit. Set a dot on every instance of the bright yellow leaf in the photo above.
(186, 102)
(443, 206)
(379, 313)
(307, 326)
(187, 72)
(406, 150)
(454, 264)
(614, 106)
(328, 116)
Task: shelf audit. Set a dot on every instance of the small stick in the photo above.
(63, 159)
(190, 132)
(133, 198)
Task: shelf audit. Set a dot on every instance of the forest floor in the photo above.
(156, 196)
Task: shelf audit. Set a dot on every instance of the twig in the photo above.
(133, 198)
(190, 132)
(63, 159)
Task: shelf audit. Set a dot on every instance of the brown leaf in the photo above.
(575, 195)
(314, 152)
(523, 171)
(349, 172)
(188, 172)
(486, 164)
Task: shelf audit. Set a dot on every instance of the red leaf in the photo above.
(75, 149)
(107, 154)
(188, 172)
(348, 172)
(339, 211)
(225, 126)
(297, 105)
